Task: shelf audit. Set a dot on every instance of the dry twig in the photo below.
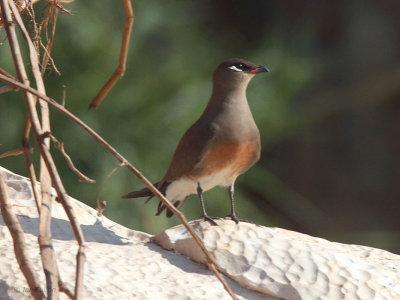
(7, 88)
(101, 206)
(15, 152)
(120, 70)
(60, 146)
(20, 248)
(4, 72)
(29, 164)
(51, 17)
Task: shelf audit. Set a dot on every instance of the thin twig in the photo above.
(119, 157)
(101, 206)
(63, 288)
(29, 164)
(15, 152)
(45, 61)
(213, 268)
(57, 4)
(52, 14)
(4, 72)
(60, 146)
(20, 249)
(7, 88)
(36, 33)
(120, 70)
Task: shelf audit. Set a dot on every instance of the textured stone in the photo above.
(259, 261)
(288, 264)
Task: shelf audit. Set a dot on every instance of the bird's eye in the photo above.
(237, 67)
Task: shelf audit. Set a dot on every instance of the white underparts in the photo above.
(183, 187)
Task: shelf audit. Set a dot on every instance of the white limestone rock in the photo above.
(127, 264)
(288, 264)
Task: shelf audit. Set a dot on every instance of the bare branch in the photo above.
(48, 58)
(15, 152)
(63, 288)
(60, 146)
(7, 88)
(213, 268)
(51, 16)
(4, 72)
(101, 206)
(29, 164)
(120, 70)
(20, 249)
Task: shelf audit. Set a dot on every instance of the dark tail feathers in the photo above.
(161, 186)
(138, 194)
(147, 193)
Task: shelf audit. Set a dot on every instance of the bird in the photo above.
(221, 145)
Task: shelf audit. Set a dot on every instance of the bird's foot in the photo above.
(236, 219)
(209, 219)
(233, 218)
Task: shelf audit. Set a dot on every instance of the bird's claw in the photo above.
(237, 220)
(209, 219)
(233, 218)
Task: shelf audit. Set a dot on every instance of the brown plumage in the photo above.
(222, 144)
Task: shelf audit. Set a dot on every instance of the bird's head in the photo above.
(236, 72)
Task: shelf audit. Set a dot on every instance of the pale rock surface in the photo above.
(291, 265)
(126, 264)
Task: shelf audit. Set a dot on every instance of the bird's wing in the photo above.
(191, 148)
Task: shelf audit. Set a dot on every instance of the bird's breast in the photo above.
(229, 159)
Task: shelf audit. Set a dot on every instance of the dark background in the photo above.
(328, 111)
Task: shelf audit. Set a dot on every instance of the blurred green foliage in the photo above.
(311, 174)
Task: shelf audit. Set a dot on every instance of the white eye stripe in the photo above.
(235, 69)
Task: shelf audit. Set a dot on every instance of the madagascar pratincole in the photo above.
(222, 144)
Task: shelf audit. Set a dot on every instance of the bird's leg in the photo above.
(232, 215)
(205, 216)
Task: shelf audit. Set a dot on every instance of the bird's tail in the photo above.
(162, 187)
(138, 194)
